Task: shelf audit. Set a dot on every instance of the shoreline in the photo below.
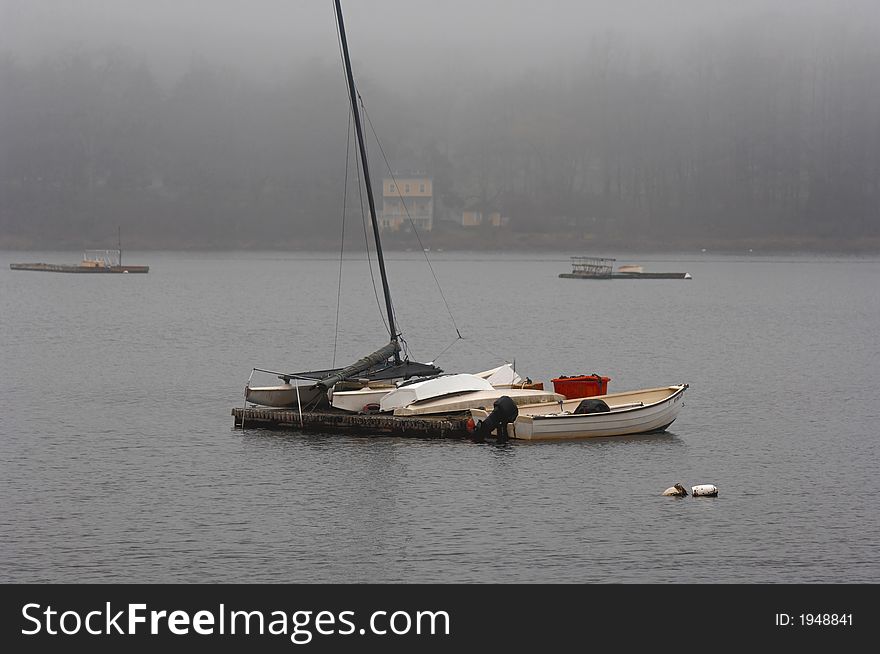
(531, 243)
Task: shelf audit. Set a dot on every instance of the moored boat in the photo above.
(643, 411)
(303, 390)
(430, 392)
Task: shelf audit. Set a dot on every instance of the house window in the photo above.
(391, 188)
(406, 188)
(421, 188)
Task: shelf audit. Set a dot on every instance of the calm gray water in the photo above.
(120, 461)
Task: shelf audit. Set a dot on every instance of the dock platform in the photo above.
(434, 426)
(77, 268)
(93, 261)
(603, 268)
(626, 275)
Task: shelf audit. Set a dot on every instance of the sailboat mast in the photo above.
(363, 151)
(119, 242)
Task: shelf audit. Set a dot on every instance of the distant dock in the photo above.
(624, 275)
(602, 268)
(93, 261)
(440, 426)
(76, 268)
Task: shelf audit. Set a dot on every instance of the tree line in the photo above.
(757, 135)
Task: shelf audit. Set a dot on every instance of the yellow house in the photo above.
(407, 198)
(471, 218)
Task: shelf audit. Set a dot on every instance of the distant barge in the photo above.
(376, 424)
(93, 261)
(602, 268)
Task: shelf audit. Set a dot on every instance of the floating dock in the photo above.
(93, 261)
(602, 268)
(434, 426)
(625, 275)
(77, 268)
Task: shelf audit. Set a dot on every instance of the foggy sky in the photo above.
(398, 37)
(180, 121)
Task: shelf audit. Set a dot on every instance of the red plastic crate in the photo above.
(581, 385)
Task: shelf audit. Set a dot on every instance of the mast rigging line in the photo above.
(355, 99)
(409, 218)
(352, 116)
(369, 259)
(342, 238)
(352, 93)
(367, 248)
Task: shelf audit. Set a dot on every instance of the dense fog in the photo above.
(629, 123)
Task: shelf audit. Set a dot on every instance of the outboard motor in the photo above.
(505, 411)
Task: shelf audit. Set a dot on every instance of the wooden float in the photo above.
(433, 426)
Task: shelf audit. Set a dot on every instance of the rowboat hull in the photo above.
(643, 411)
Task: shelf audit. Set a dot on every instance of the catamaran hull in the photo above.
(629, 415)
(286, 396)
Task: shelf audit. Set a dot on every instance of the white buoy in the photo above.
(676, 491)
(704, 490)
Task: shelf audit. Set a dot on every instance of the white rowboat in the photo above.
(643, 411)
